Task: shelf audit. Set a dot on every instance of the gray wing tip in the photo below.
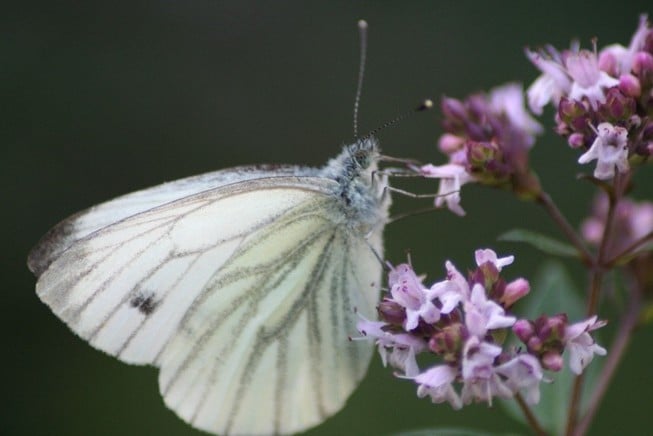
(50, 246)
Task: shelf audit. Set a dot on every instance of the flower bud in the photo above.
(524, 329)
(534, 344)
(448, 341)
(449, 143)
(478, 106)
(551, 328)
(647, 131)
(454, 109)
(391, 312)
(573, 113)
(608, 62)
(576, 140)
(479, 153)
(552, 361)
(488, 275)
(514, 291)
(630, 85)
(643, 64)
(617, 107)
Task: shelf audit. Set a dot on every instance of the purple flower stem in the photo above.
(629, 250)
(573, 405)
(530, 416)
(599, 266)
(574, 400)
(617, 351)
(597, 270)
(545, 201)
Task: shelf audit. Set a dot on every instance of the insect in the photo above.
(240, 285)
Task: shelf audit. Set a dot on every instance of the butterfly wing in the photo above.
(82, 224)
(243, 295)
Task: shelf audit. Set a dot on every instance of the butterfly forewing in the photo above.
(97, 217)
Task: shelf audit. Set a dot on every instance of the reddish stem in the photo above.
(617, 352)
(530, 416)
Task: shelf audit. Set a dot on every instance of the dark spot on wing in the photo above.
(144, 302)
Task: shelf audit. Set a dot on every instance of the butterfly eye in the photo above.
(362, 158)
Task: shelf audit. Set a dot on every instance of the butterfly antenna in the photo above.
(362, 32)
(424, 106)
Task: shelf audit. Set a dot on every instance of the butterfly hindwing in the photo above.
(292, 317)
(243, 295)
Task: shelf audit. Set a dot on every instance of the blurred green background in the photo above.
(103, 98)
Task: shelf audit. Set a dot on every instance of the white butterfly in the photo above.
(240, 285)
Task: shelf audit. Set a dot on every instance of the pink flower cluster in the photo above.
(464, 321)
(604, 102)
(603, 99)
(487, 140)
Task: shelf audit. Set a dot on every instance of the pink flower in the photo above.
(488, 255)
(452, 178)
(579, 74)
(589, 80)
(481, 381)
(551, 85)
(523, 373)
(408, 291)
(456, 277)
(610, 149)
(451, 291)
(581, 345)
(509, 100)
(404, 360)
(616, 59)
(478, 358)
(482, 314)
(397, 349)
(437, 383)
(448, 293)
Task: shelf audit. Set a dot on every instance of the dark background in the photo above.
(102, 98)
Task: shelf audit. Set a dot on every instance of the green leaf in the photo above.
(552, 292)
(448, 431)
(646, 316)
(541, 242)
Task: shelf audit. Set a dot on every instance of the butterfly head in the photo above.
(363, 153)
(356, 162)
(360, 189)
